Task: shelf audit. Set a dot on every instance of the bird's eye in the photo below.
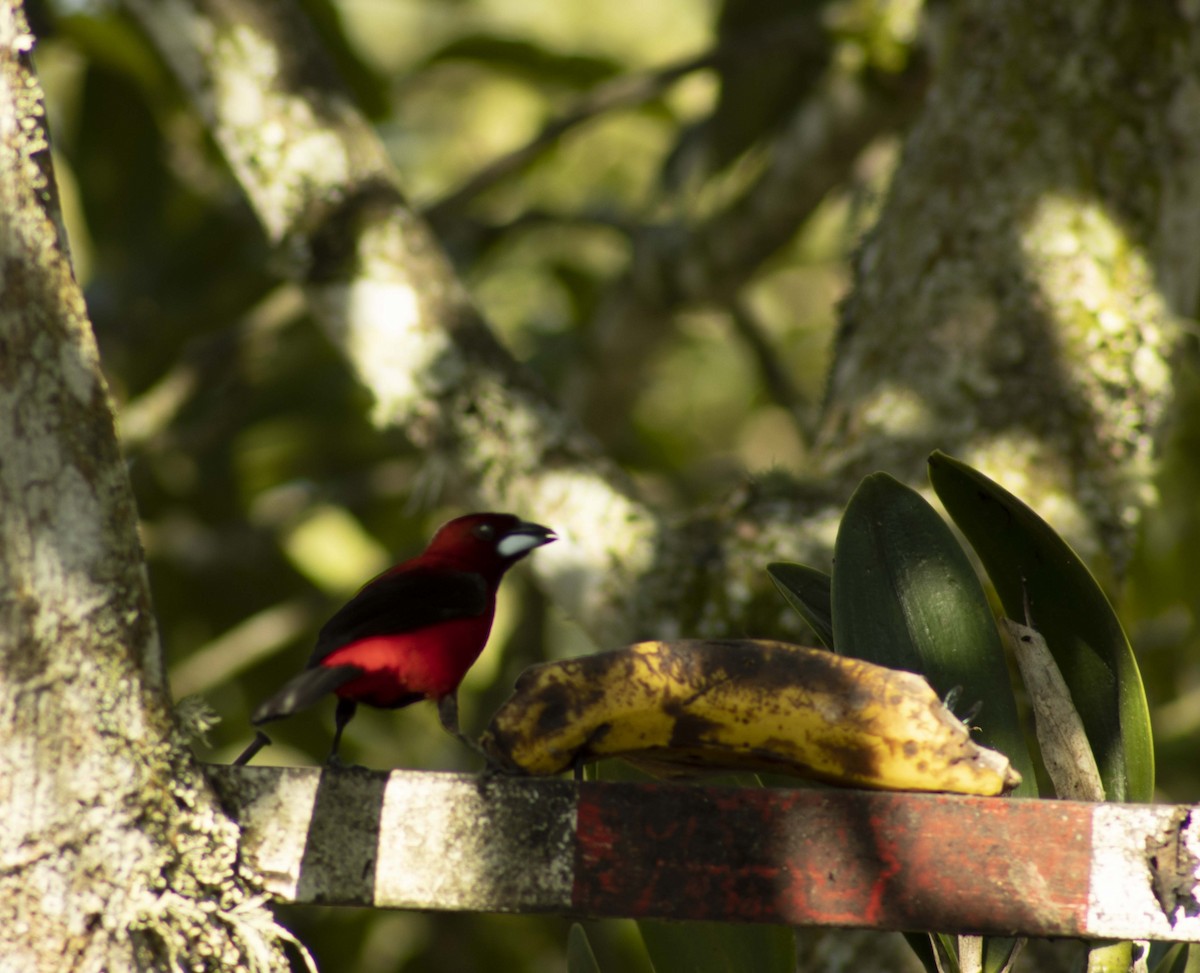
(485, 532)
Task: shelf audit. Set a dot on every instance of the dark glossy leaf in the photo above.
(922, 945)
(580, 958)
(1168, 957)
(945, 950)
(939, 952)
(718, 947)
(1028, 562)
(905, 596)
(1000, 953)
(808, 591)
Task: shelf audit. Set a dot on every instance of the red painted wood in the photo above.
(833, 858)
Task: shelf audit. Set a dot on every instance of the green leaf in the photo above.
(1030, 564)
(905, 596)
(808, 591)
(945, 950)
(1110, 957)
(922, 945)
(580, 958)
(1168, 957)
(939, 952)
(718, 947)
(1000, 953)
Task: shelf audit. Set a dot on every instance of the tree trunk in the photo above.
(115, 853)
(1017, 302)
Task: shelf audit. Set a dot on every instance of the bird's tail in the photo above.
(303, 690)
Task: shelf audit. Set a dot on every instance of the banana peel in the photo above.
(743, 704)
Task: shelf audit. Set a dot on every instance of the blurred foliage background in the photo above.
(569, 154)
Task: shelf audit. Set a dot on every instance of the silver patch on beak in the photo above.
(513, 544)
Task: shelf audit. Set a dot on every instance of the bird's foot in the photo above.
(335, 762)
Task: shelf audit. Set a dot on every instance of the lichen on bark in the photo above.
(1019, 297)
(115, 853)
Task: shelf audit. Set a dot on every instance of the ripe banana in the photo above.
(743, 704)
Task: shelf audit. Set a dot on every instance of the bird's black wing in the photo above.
(402, 601)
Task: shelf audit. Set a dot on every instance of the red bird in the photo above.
(414, 631)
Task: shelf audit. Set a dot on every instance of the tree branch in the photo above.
(941, 347)
(627, 92)
(325, 194)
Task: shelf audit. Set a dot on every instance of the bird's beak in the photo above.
(524, 538)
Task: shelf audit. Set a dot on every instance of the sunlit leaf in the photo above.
(1110, 957)
(905, 596)
(1031, 565)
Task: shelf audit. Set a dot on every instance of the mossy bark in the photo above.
(116, 854)
(1017, 303)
